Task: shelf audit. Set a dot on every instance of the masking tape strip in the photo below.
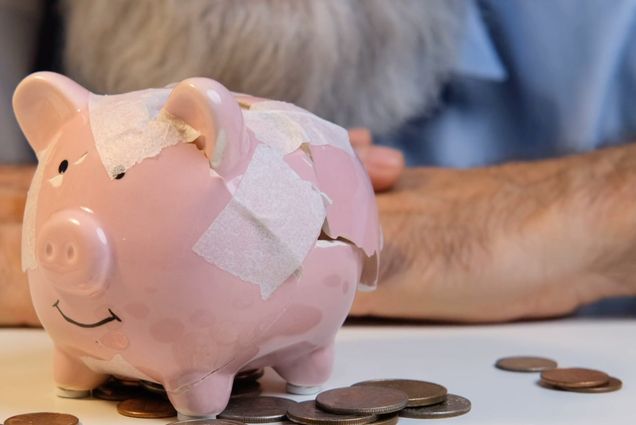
(286, 127)
(30, 210)
(131, 127)
(275, 215)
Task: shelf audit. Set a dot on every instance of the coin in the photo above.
(249, 375)
(453, 406)
(390, 419)
(246, 389)
(257, 409)
(574, 377)
(115, 390)
(126, 381)
(207, 422)
(362, 399)
(525, 364)
(153, 387)
(420, 393)
(307, 413)
(42, 418)
(614, 384)
(146, 407)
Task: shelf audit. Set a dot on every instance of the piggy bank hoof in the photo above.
(302, 390)
(182, 417)
(64, 393)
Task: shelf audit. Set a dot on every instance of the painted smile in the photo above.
(112, 317)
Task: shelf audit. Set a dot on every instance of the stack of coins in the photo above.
(579, 380)
(378, 402)
(565, 379)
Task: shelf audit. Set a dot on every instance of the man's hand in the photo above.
(515, 241)
(384, 165)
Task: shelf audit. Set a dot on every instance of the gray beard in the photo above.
(369, 63)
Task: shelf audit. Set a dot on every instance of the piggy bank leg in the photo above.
(204, 399)
(307, 373)
(73, 378)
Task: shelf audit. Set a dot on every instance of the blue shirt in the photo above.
(535, 79)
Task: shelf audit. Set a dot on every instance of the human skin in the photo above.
(15, 301)
(514, 241)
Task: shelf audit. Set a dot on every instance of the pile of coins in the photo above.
(378, 402)
(144, 399)
(574, 379)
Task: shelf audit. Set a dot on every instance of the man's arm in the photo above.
(520, 240)
(15, 301)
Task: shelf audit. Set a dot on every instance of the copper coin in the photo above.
(420, 393)
(42, 418)
(307, 413)
(453, 406)
(525, 364)
(249, 375)
(246, 389)
(362, 399)
(574, 377)
(614, 384)
(146, 407)
(257, 409)
(115, 390)
(206, 422)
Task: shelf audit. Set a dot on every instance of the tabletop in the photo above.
(458, 357)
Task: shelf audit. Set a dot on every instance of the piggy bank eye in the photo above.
(120, 176)
(62, 167)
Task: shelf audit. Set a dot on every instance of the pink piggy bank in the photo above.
(184, 234)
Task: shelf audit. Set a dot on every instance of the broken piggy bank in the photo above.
(181, 235)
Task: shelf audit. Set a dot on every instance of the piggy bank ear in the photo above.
(212, 110)
(43, 102)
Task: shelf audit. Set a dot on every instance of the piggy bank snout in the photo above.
(73, 252)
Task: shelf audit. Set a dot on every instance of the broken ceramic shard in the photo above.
(274, 214)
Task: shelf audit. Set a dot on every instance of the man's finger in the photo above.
(360, 137)
(384, 165)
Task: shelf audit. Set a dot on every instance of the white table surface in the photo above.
(459, 357)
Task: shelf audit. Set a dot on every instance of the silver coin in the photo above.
(307, 413)
(453, 406)
(153, 387)
(257, 409)
(207, 422)
(390, 419)
(362, 399)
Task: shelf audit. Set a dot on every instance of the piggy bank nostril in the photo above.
(70, 253)
(49, 251)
